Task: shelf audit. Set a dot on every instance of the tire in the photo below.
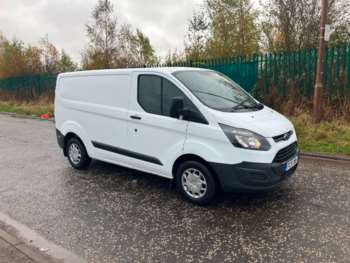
(77, 154)
(196, 182)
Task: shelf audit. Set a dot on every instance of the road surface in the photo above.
(112, 214)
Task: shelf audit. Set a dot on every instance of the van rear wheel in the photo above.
(77, 154)
(196, 182)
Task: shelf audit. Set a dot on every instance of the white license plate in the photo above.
(291, 163)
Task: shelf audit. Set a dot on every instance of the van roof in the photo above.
(167, 70)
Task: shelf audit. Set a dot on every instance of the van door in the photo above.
(155, 137)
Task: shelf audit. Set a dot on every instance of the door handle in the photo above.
(135, 117)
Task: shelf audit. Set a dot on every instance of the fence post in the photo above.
(342, 71)
(348, 75)
(265, 75)
(256, 61)
(337, 72)
(270, 69)
(284, 66)
(308, 70)
(275, 71)
(331, 70)
(304, 61)
(325, 75)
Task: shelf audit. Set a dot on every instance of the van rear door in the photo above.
(155, 137)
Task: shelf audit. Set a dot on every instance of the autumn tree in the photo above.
(135, 48)
(12, 61)
(18, 59)
(233, 27)
(50, 56)
(339, 18)
(66, 63)
(33, 60)
(2, 40)
(145, 53)
(53, 61)
(113, 46)
(289, 24)
(102, 33)
(225, 28)
(175, 56)
(197, 36)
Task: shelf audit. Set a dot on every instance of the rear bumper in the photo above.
(248, 176)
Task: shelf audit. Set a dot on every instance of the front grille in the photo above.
(283, 137)
(286, 153)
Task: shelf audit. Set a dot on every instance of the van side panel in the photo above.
(95, 107)
(106, 90)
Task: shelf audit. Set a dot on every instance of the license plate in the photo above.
(291, 163)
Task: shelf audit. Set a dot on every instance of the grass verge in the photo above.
(330, 137)
(37, 109)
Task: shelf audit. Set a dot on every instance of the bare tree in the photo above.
(135, 47)
(294, 24)
(225, 28)
(197, 35)
(339, 17)
(102, 33)
(112, 46)
(50, 56)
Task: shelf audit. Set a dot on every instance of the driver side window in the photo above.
(170, 91)
(155, 95)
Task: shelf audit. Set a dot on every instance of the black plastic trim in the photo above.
(286, 153)
(60, 138)
(128, 153)
(283, 137)
(249, 176)
(134, 117)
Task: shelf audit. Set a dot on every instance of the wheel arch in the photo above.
(67, 137)
(194, 157)
(72, 129)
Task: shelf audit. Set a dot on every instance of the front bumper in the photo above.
(248, 176)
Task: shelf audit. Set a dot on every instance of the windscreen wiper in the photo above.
(215, 95)
(241, 105)
(258, 106)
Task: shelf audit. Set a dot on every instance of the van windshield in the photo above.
(217, 91)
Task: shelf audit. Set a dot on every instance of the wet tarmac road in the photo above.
(111, 214)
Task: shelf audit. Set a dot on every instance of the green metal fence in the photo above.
(284, 71)
(280, 71)
(27, 87)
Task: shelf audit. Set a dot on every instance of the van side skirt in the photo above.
(128, 153)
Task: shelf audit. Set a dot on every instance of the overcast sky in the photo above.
(164, 21)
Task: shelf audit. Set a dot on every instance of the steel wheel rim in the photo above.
(74, 153)
(194, 183)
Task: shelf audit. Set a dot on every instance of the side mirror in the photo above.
(178, 111)
(177, 107)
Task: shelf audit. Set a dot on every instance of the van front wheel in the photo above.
(196, 182)
(77, 154)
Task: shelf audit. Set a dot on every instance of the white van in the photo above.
(193, 125)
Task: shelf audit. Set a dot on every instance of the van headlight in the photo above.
(245, 139)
